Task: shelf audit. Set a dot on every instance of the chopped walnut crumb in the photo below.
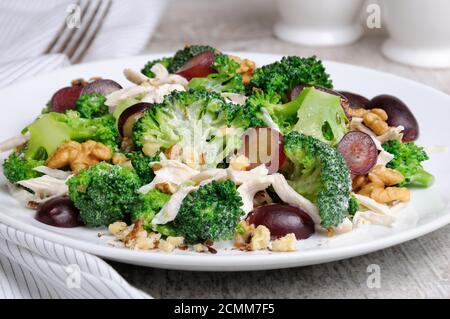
(117, 227)
(150, 149)
(246, 68)
(170, 243)
(119, 158)
(166, 187)
(200, 248)
(285, 244)
(243, 234)
(239, 162)
(260, 238)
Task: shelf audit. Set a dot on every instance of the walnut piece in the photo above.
(375, 119)
(117, 228)
(79, 156)
(391, 194)
(260, 238)
(170, 243)
(134, 236)
(239, 162)
(119, 158)
(285, 244)
(200, 248)
(150, 149)
(387, 176)
(243, 234)
(166, 187)
(378, 185)
(375, 122)
(246, 68)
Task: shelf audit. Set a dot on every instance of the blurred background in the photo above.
(249, 26)
(406, 37)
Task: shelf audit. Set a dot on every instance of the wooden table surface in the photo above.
(417, 269)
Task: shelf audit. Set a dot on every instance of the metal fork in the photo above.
(75, 42)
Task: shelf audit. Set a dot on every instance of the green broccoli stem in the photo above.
(287, 110)
(422, 178)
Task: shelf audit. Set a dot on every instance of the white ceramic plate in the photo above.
(428, 210)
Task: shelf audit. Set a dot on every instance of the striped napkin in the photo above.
(31, 267)
(37, 36)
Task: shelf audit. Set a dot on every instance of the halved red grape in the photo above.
(65, 99)
(130, 116)
(60, 212)
(344, 101)
(355, 101)
(282, 219)
(263, 145)
(398, 114)
(102, 86)
(359, 151)
(198, 66)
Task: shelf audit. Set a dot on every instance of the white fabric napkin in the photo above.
(83, 30)
(32, 35)
(31, 267)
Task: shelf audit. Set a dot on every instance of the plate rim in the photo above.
(240, 262)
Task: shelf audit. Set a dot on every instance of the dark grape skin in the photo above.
(355, 101)
(344, 101)
(282, 219)
(102, 86)
(128, 117)
(198, 66)
(359, 152)
(59, 212)
(398, 114)
(253, 138)
(65, 99)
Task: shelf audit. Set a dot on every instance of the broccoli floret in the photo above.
(148, 206)
(353, 205)
(104, 193)
(312, 112)
(189, 51)
(267, 109)
(321, 175)
(210, 213)
(17, 168)
(47, 108)
(53, 129)
(91, 105)
(147, 70)
(282, 76)
(200, 123)
(141, 165)
(321, 115)
(408, 158)
(225, 80)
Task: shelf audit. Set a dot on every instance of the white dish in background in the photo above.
(428, 210)
(319, 22)
(419, 32)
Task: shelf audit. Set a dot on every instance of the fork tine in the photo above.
(63, 39)
(82, 48)
(62, 31)
(88, 19)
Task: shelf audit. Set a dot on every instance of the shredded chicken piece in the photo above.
(45, 187)
(170, 210)
(14, 142)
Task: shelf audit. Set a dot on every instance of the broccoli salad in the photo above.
(205, 147)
